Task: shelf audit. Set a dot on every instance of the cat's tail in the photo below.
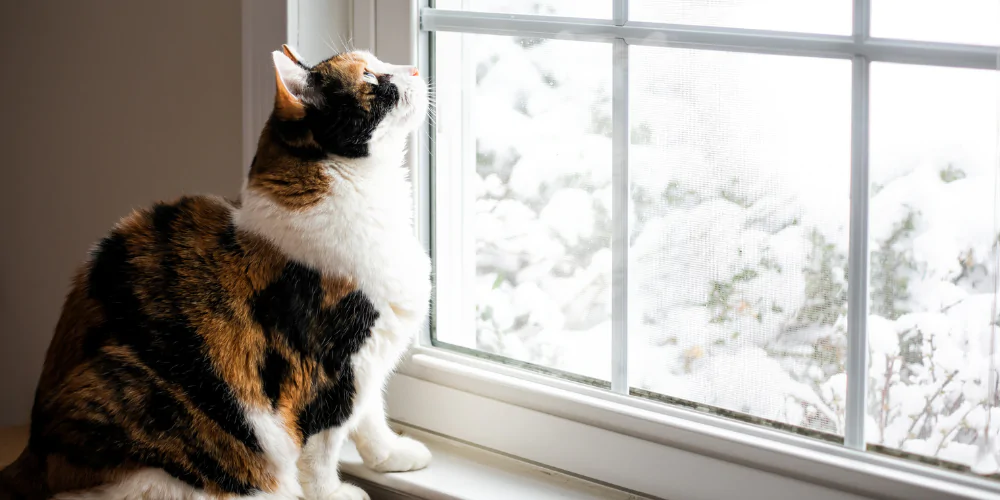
(25, 478)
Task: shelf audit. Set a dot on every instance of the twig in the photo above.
(927, 407)
(889, 362)
(953, 429)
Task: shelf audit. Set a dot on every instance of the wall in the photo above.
(106, 105)
(317, 30)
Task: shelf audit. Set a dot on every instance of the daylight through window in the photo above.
(766, 209)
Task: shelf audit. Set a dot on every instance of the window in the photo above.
(774, 218)
(933, 268)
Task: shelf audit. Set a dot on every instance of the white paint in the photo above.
(468, 472)
(363, 24)
(321, 29)
(263, 29)
(606, 456)
(491, 405)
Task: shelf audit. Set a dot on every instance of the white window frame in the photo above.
(634, 444)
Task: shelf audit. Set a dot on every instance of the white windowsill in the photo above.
(463, 472)
(646, 447)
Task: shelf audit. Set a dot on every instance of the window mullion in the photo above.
(857, 279)
(619, 217)
(862, 20)
(620, 14)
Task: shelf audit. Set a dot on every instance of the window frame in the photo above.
(634, 444)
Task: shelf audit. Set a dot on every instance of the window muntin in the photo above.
(860, 50)
(597, 9)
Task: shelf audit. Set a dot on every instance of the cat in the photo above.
(215, 349)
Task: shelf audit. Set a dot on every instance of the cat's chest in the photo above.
(391, 268)
(364, 238)
(370, 238)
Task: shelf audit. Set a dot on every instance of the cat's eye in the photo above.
(370, 78)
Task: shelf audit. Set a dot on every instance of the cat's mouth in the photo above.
(409, 103)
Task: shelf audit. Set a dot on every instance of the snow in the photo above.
(739, 215)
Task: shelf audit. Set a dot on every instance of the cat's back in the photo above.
(151, 359)
(159, 271)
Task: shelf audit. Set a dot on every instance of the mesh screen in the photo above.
(933, 261)
(955, 21)
(740, 170)
(817, 16)
(540, 121)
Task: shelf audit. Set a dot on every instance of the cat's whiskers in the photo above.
(330, 44)
(344, 43)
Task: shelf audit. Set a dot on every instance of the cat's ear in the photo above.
(291, 80)
(291, 54)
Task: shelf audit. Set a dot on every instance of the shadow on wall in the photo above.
(108, 105)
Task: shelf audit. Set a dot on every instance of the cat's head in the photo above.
(346, 105)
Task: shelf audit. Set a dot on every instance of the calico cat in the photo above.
(213, 349)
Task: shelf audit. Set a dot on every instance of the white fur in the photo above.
(362, 230)
(281, 450)
(145, 484)
(292, 75)
(155, 484)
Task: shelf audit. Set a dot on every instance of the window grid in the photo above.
(714, 38)
(858, 255)
(620, 217)
(860, 48)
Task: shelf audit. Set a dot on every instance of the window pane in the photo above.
(817, 16)
(955, 21)
(534, 116)
(598, 9)
(740, 169)
(933, 239)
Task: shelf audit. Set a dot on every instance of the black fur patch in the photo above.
(291, 310)
(331, 407)
(170, 346)
(347, 329)
(272, 373)
(228, 241)
(340, 125)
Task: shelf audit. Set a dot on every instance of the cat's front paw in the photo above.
(404, 454)
(345, 491)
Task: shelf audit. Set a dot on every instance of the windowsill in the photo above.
(625, 442)
(464, 472)
(457, 472)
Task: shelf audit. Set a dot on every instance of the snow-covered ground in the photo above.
(740, 170)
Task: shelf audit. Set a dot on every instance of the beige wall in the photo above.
(106, 105)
